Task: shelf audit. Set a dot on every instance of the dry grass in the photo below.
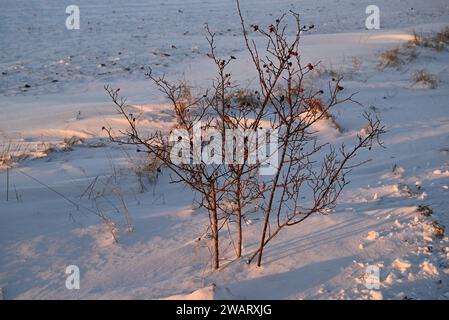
(424, 78)
(70, 142)
(438, 229)
(356, 65)
(397, 57)
(329, 72)
(185, 100)
(316, 106)
(391, 58)
(244, 98)
(436, 41)
(425, 211)
(442, 36)
(146, 168)
(349, 69)
(12, 152)
(318, 109)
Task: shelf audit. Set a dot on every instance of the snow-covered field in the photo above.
(52, 90)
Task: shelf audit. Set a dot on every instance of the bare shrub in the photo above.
(309, 174)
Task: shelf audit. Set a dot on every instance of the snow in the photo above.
(376, 295)
(200, 294)
(429, 268)
(372, 235)
(51, 221)
(401, 265)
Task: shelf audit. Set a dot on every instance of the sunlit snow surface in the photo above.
(376, 222)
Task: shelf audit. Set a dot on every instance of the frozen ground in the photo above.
(117, 39)
(49, 221)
